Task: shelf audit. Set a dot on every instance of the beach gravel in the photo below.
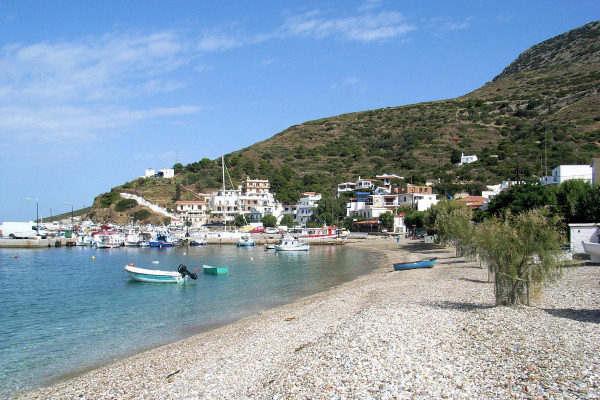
(419, 334)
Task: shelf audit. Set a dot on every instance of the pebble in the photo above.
(421, 334)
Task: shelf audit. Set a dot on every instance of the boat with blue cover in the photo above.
(415, 264)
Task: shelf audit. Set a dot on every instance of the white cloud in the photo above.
(365, 28)
(94, 68)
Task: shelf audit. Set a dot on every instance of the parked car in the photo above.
(271, 231)
(258, 229)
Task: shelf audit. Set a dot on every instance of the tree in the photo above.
(455, 156)
(521, 198)
(387, 220)
(287, 220)
(240, 220)
(269, 221)
(520, 250)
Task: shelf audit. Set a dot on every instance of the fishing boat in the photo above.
(156, 275)
(323, 233)
(415, 264)
(132, 237)
(162, 240)
(215, 270)
(198, 242)
(107, 239)
(291, 244)
(245, 241)
(593, 249)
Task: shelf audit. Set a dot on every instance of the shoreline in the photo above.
(420, 333)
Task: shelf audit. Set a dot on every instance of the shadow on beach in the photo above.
(461, 306)
(576, 315)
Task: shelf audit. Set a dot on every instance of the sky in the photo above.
(93, 93)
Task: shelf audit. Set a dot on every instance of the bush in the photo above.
(141, 215)
(125, 205)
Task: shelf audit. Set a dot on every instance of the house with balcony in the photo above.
(305, 207)
(194, 211)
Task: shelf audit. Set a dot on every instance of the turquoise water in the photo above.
(68, 309)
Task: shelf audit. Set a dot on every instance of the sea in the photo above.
(67, 310)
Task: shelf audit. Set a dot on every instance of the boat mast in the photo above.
(224, 201)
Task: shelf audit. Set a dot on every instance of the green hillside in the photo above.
(542, 111)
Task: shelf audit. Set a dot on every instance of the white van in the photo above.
(21, 230)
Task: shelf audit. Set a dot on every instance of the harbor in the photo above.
(429, 333)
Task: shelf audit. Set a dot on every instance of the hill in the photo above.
(542, 111)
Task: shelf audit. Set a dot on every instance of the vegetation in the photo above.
(520, 250)
(141, 215)
(540, 112)
(269, 221)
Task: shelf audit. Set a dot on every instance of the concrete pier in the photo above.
(8, 243)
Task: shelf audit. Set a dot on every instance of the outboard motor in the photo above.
(184, 272)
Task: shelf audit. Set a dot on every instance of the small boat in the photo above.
(593, 249)
(215, 270)
(156, 275)
(198, 242)
(269, 246)
(414, 264)
(245, 241)
(290, 244)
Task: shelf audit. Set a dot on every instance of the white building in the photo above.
(467, 159)
(253, 200)
(305, 207)
(192, 211)
(564, 173)
(162, 173)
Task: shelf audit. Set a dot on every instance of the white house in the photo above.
(162, 173)
(305, 206)
(564, 173)
(467, 159)
(192, 211)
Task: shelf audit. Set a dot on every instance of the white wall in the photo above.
(582, 233)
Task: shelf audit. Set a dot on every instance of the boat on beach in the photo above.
(291, 244)
(415, 264)
(593, 249)
(156, 275)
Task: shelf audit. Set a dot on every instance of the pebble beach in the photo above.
(418, 334)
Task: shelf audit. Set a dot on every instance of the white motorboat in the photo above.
(291, 244)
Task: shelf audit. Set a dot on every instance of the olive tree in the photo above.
(520, 250)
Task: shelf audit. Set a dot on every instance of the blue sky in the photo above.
(92, 93)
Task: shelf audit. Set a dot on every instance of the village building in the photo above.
(194, 212)
(563, 173)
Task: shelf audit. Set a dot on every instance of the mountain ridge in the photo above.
(541, 111)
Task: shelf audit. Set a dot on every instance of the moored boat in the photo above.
(415, 264)
(245, 241)
(322, 233)
(162, 240)
(291, 244)
(208, 269)
(156, 275)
